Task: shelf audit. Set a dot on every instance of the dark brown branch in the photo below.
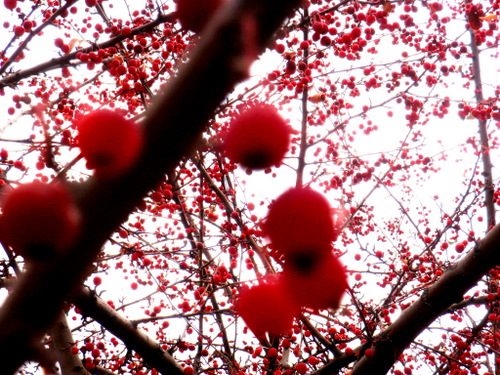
(14, 78)
(489, 191)
(125, 330)
(435, 301)
(62, 341)
(172, 128)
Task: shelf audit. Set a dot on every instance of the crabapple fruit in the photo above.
(39, 219)
(109, 142)
(318, 286)
(301, 368)
(257, 138)
(267, 307)
(301, 219)
(10, 4)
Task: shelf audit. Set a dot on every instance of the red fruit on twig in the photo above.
(109, 142)
(195, 14)
(318, 282)
(267, 307)
(301, 220)
(257, 138)
(10, 4)
(38, 219)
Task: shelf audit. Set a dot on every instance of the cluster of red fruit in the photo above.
(300, 224)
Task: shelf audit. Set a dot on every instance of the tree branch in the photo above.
(62, 340)
(125, 330)
(449, 289)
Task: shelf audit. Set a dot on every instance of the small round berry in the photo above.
(97, 281)
(369, 353)
(38, 219)
(10, 4)
(257, 138)
(109, 142)
(301, 368)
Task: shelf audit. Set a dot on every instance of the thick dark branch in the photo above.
(125, 330)
(62, 342)
(449, 289)
(172, 127)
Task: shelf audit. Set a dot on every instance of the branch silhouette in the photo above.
(435, 301)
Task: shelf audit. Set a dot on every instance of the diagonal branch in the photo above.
(125, 330)
(449, 289)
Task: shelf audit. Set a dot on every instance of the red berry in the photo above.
(272, 353)
(301, 368)
(369, 353)
(109, 142)
(317, 282)
(19, 30)
(459, 247)
(461, 345)
(299, 220)
(97, 281)
(188, 370)
(195, 14)
(267, 307)
(38, 218)
(257, 138)
(59, 42)
(10, 4)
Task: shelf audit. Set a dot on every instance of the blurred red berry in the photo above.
(272, 353)
(301, 220)
(195, 14)
(267, 307)
(257, 138)
(38, 219)
(97, 281)
(301, 368)
(10, 4)
(19, 30)
(369, 353)
(317, 282)
(109, 142)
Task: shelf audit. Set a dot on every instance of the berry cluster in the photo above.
(301, 226)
